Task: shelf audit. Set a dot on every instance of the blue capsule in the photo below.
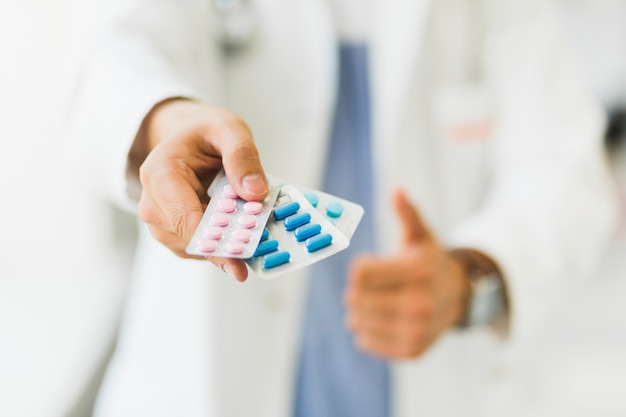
(266, 247)
(276, 259)
(265, 235)
(318, 242)
(286, 210)
(297, 220)
(304, 232)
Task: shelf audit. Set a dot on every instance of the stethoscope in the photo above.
(237, 25)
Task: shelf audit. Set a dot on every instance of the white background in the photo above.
(61, 282)
(63, 264)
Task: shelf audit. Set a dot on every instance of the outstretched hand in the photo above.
(188, 144)
(398, 306)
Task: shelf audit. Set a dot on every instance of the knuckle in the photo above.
(358, 269)
(171, 241)
(422, 264)
(226, 116)
(158, 234)
(245, 150)
(426, 309)
(147, 213)
(234, 121)
(416, 346)
(413, 352)
(164, 237)
(425, 269)
(406, 353)
(414, 305)
(178, 220)
(145, 174)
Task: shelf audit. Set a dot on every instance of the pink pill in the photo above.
(247, 221)
(242, 235)
(253, 207)
(219, 219)
(226, 205)
(212, 232)
(206, 246)
(229, 192)
(234, 248)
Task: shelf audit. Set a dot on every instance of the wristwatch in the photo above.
(487, 300)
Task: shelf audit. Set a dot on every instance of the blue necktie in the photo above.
(335, 379)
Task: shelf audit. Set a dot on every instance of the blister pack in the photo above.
(231, 227)
(343, 214)
(298, 234)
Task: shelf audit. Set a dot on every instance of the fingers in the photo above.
(236, 268)
(243, 169)
(402, 303)
(173, 233)
(414, 265)
(169, 200)
(376, 272)
(404, 342)
(396, 323)
(393, 305)
(414, 229)
(190, 142)
(240, 158)
(194, 142)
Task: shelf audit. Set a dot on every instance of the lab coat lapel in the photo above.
(399, 27)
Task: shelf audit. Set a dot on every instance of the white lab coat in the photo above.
(532, 191)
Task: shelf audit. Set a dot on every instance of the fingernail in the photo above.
(254, 184)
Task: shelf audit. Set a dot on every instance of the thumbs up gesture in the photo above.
(397, 307)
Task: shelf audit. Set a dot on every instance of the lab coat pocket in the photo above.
(462, 113)
(463, 120)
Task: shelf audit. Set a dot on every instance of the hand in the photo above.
(188, 143)
(397, 307)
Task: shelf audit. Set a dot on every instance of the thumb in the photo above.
(242, 164)
(413, 227)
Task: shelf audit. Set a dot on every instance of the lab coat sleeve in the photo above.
(550, 206)
(156, 50)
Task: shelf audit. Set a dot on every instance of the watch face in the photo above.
(487, 300)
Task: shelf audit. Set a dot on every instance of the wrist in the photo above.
(148, 136)
(487, 300)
